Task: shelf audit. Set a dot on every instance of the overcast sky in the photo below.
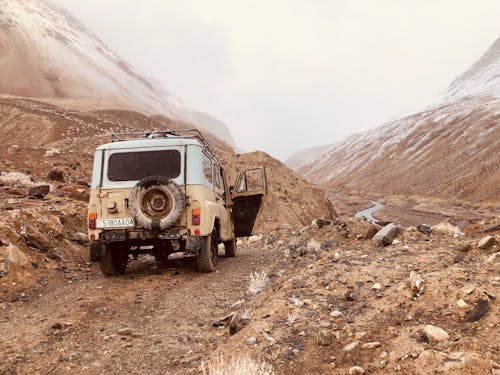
(291, 74)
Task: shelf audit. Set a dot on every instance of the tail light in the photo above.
(196, 216)
(92, 220)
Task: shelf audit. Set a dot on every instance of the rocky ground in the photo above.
(308, 300)
(299, 299)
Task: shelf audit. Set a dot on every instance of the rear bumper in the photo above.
(120, 235)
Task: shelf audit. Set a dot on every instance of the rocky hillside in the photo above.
(47, 53)
(449, 150)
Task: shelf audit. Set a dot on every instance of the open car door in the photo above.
(247, 194)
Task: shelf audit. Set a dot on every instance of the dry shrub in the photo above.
(258, 281)
(446, 229)
(243, 365)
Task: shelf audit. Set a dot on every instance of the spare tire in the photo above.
(156, 202)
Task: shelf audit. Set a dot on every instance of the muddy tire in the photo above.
(156, 202)
(113, 260)
(209, 254)
(230, 248)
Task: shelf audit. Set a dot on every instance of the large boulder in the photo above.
(386, 235)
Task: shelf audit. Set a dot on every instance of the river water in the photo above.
(368, 213)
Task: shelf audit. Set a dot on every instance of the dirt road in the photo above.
(151, 320)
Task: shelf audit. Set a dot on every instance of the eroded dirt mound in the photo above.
(291, 200)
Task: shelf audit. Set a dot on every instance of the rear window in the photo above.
(132, 166)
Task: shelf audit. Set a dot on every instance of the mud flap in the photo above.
(193, 245)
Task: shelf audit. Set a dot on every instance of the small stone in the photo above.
(435, 334)
(481, 308)
(251, 340)
(486, 242)
(80, 237)
(458, 258)
(371, 345)
(327, 244)
(376, 286)
(325, 324)
(336, 314)
(356, 370)
(462, 304)
(324, 338)
(126, 331)
(383, 354)
(53, 255)
(320, 223)
(424, 228)
(464, 248)
(39, 191)
(349, 347)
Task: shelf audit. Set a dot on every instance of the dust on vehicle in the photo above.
(164, 192)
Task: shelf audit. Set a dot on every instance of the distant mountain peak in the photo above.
(482, 79)
(45, 52)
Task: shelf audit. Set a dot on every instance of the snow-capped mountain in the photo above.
(46, 53)
(451, 149)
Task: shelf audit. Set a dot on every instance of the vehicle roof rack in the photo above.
(168, 133)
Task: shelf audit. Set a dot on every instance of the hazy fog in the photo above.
(285, 75)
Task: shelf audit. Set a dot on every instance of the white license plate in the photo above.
(125, 222)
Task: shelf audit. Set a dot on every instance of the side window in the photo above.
(207, 168)
(218, 177)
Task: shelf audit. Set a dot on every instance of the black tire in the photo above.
(156, 203)
(96, 249)
(230, 248)
(113, 260)
(209, 254)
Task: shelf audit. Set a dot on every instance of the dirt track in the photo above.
(75, 326)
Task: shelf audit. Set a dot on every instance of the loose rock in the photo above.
(486, 242)
(35, 238)
(424, 228)
(251, 340)
(324, 338)
(356, 370)
(386, 235)
(371, 345)
(435, 334)
(481, 308)
(349, 347)
(39, 191)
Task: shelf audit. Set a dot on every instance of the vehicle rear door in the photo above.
(246, 195)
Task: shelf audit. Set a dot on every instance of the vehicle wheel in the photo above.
(95, 251)
(113, 260)
(230, 247)
(209, 254)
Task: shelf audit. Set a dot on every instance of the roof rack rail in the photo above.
(168, 133)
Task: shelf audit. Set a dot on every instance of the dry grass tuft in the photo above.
(447, 229)
(258, 281)
(244, 365)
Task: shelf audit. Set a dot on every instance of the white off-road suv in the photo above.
(164, 192)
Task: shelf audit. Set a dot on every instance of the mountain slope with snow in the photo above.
(47, 53)
(448, 150)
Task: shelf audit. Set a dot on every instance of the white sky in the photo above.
(291, 74)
